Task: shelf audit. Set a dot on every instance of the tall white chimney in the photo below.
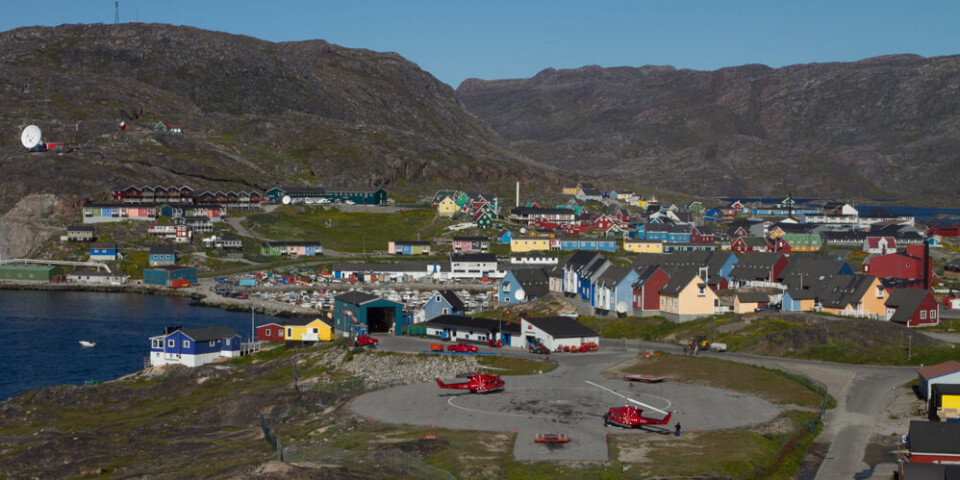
(518, 194)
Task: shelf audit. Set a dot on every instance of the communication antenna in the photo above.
(116, 14)
(31, 136)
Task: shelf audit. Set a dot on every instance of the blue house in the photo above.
(594, 245)
(573, 270)
(443, 302)
(588, 276)
(523, 285)
(712, 215)
(193, 347)
(613, 290)
(505, 236)
(163, 254)
(104, 251)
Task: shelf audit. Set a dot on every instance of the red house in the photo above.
(646, 290)
(934, 442)
(573, 228)
(604, 222)
(271, 332)
(912, 307)
(750, 244)
(907, 266)
(702, 235)
(944, 229)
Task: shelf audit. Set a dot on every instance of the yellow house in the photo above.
(528, 244)
(861, 296)
(308, 330)
(749, 302)
(642, 246)
(447, 207)
(569, 190)
(686, 297)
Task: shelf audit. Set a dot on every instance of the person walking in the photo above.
(676, 430)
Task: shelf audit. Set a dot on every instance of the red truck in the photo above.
(462, 347)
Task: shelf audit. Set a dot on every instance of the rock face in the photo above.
(255, 114)
(885, 126)
(34, 219)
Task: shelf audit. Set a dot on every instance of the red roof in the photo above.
(939, 369)
(874, 242)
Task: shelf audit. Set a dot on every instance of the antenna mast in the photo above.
(116, 14)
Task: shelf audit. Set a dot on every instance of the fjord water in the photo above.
(41, 333)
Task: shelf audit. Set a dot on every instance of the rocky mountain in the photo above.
(881, 127)
(255, 114)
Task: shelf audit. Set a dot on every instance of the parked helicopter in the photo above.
(629, 416)
(476, 383)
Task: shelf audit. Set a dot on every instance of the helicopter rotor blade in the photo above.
(655, 409)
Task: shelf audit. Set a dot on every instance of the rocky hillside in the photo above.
(882, 127)
(254, 114)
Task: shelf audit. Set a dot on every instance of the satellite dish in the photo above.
(520, 295)
(31, 136)
(523, 230)
(286, 200)
(621, 307)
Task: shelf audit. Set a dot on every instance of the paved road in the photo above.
(559, 401)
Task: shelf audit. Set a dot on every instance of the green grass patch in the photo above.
(772, 385)
(346, 231)
(503, 365)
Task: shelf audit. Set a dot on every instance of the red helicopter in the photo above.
(477, 383)
(631, 417)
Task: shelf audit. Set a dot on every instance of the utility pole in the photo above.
(116, 14)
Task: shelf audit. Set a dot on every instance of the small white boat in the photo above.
(87, 344)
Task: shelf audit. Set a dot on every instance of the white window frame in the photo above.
(171, 343)
(923, 314)
(186, 344)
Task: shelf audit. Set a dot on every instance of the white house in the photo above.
(474, 265)
(557, 332)
(193, 347)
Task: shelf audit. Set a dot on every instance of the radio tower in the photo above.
(116, 14)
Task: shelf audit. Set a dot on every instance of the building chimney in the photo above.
(518, 194)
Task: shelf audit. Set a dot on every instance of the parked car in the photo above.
(462, 347)
(366, 340)
(768, 308)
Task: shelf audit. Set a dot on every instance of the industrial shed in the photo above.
(364, 313)
(36, 273)
(170, 276)
(557, 332)
(456, 328)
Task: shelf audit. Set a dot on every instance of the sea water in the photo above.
(40, 334)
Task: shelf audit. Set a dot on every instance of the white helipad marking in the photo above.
(450, 402)
(669, 403)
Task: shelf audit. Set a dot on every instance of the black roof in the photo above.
(472, 239)
(301, 321)
(562, 327)
(406, 242)
(475, 323)
(906, 301)
(929, 471)
(473, 257)
(677, 283)
(452, 299)
(204, 334)
(542, 211)
(356, 298)
(934, 437)
(755, 265)
(613, 276)
(163, 249)
(753, 297)
(580, 259)
(533, 280)
(80, 228)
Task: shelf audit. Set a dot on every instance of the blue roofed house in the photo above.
(443, 302)
(523, 285)
(193, 347)
(613, 290)
(505, 236)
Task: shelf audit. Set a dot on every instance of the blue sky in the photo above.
(493, 39)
